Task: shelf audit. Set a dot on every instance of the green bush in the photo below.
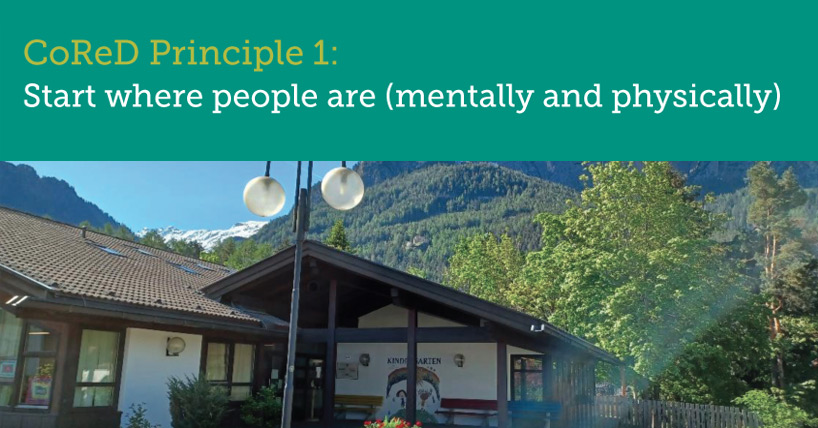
(136, 417)
(262, 410)
(195, 403)
(774, 411)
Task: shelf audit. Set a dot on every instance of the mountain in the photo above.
(414, 214)
(713, 176)
(209, 237)
(21, 188)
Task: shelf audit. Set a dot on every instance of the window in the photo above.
(97, 369)
(39, 357)
(28, 353)
(11, 331)
(231, 366)
(527, 377)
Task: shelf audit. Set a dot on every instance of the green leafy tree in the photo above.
(248, 253)
(416, 271)
(485, 266)
(775, 411)
(338, 237)
(185, 247)
(631, 266)
(153, 239)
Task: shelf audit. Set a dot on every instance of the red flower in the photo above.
(418, 424)
(367, 422)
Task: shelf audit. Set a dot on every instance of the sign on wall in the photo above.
(347, 371)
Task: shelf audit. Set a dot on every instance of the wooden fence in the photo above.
(620, 412)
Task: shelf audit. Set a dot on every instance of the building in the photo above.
(90, 324)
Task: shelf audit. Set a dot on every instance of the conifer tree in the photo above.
(338, 237)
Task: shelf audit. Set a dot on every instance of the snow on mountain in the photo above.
(207, 237)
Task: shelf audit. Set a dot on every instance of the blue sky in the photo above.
(188, 195)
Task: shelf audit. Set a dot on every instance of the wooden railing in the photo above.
(620, 412)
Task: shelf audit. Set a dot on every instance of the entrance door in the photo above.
(309, 386)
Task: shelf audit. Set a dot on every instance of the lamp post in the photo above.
(342, 189)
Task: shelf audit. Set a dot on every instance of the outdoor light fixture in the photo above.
(342, 188)
(459, 360)
(263, 195)
(175, 346)
(364, 360)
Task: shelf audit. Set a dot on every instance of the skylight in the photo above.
(204, 267)
(141, 251)
(184, 268)
(109, 250)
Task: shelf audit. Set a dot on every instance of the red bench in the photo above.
(467, 407)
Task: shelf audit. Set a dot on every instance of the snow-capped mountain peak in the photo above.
(208, 237)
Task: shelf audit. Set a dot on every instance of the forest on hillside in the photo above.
(416, 218)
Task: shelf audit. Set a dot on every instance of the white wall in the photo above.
(477, 379)
(146, 369)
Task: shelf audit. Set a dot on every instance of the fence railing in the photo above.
(621, 412)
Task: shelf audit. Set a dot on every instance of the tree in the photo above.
(338, 237)
(485, 265)
(631, 266)
(416, 271)
(153, 239)
(185, 247)
(248, 252)
(782, 255)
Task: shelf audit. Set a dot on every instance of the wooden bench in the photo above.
(545, 411)
(467, 407)
(367, 404)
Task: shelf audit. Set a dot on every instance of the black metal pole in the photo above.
(289, 379)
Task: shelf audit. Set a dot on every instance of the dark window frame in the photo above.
(22, 354)
(117, 384)
(544, 360)
(231, 353)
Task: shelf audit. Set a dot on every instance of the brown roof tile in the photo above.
(57, 255)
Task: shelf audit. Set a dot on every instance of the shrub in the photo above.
(390, 423)
(774, 411)
(136, 417)
(194, 403)
(262, 410)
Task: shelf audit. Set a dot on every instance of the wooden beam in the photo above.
(622, 382)
(411, 366)
(398, 335)
(502, 386)
(548, 377)
(332, 354)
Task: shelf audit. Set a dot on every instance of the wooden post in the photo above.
(502, 386)
(622, 381)
(412, 366)
(332, 356)
(548, 377)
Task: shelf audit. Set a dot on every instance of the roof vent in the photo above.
(112, 293)
(82, 232)
(199, 307)
(158, 301)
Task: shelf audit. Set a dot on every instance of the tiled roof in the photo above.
(106, 268)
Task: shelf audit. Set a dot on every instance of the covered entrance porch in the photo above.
(375, 342)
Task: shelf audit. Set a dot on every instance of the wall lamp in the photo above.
(459, 360)
(364, 360)
(175, 346)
